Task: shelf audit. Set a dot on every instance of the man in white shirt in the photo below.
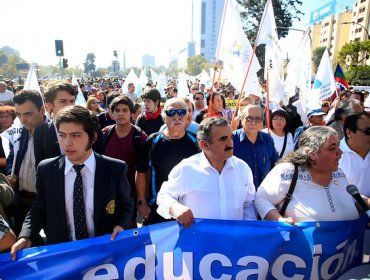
(131, 92)
(355, 160)
(212, 184)
(6, 96)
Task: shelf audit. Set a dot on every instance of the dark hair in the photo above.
(361, 94)
(29, 94)
(79, 115)
(351, 122)
(151, 93)
(345, 107)
(130, 85)
(281, 113)
(208, 98)
(122, 99)
(51, 93)
(111, 96)
(205, 127)
(136, 107)
(195, 94)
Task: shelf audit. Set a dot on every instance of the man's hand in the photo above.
(22, 243)
(116, 230)
(12, 180)
(182, 214)
(287, 220)
(144, 210)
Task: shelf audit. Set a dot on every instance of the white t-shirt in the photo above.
(356, 168)
(310, 201)
(279, 142)
(6, 96)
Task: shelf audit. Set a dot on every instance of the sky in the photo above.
(136, 27)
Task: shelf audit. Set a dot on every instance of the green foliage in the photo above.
(316, 58)
(89, 64)
(285, 12)
(8, 67)
(352, 57)
(196, 64)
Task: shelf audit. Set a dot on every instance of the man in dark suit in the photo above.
(58, 96)
(31, 113)
(80, 194)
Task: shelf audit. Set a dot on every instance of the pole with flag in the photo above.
(340, 79)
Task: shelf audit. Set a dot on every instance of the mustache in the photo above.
(229, 148)
(177, 122)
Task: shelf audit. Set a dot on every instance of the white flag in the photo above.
(154, 76)
(31, 81)
(235, 49)
(299, 70)
(267, 33)
(324, 84)
(161, 84)
(182, 86)
(131, 78)
(205, 79)
(80, 99)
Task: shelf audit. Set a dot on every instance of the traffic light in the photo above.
(59, 48)
(65, 63)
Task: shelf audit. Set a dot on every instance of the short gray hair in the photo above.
(171, 102)
(311, 140)
(250, 106)
(205, 127)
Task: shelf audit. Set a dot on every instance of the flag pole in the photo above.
(268, 102)
(216, 62)
(245, 79)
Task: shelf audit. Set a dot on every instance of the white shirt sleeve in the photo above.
(273, 189)
(170, 192)
(249, 211)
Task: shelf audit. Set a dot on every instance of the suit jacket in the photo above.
(46, 142)
(113, 204)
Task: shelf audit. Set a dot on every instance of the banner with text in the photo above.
(210, 249)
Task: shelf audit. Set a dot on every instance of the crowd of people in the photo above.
(82, 172)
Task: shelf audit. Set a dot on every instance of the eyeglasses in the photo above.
(171, 113)
(198, 98)
(251, 119)
(365, 131)
(279, 119)
(195, 89)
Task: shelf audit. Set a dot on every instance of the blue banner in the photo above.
(210, 249)
(322, 12)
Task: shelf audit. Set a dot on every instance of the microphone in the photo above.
(353, 191)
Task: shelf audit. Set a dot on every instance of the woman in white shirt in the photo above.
(279, 131)
(320, 192)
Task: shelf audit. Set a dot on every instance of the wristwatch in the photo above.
(141, 201)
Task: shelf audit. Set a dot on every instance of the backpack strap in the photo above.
(289, 194)
(107, 133)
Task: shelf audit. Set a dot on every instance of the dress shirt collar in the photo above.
(204, 162)
(89, 163)
(344, 146)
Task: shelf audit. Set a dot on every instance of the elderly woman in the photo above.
(320, 192)
(279, 131)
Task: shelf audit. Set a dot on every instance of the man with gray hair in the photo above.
(6, 96)
(165, 150)
(253, 146)
(212, 175)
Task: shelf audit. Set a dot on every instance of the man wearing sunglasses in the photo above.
(198, 98)
(253, 146)
(355, 160)
(165, 150)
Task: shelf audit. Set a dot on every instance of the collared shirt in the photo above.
(27, 171)
(261, 155)
(356, 168)
(88, 177)
(228, 195)
(298, 132)
(7, 95)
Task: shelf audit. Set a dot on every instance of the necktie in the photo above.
(79, 205)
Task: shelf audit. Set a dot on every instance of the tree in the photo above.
(316, 57)
(196, 64)
(285, 12)
(90, 63)
(9, 68)
(353, 57)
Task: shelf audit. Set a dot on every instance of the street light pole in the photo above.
(352, 22)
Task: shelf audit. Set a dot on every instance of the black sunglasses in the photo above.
(198, 98)
(171, 113)
(365, 131)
